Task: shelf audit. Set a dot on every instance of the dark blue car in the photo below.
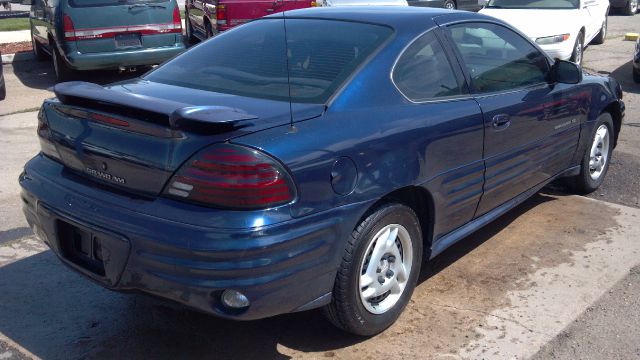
(312, 159)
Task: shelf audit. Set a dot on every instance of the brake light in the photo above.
(177, 22)
(44, 134)
(69, 30)
(221, 15)
(234, 177)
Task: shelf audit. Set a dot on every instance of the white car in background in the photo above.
(562, 28)
(363, 3)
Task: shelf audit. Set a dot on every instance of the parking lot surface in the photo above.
(557, 277)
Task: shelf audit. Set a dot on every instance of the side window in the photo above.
(497, 58)
(423, 71)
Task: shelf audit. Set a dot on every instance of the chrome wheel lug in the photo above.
(381, 279)
(391, 259)
(389, 273)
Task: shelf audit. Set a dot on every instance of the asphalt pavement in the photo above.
(556, 278)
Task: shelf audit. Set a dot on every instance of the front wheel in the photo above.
(596, 158)
(450, 4)
(378, 273)
(631, 8)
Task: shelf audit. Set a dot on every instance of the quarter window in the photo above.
(423, 71)
(497, 58)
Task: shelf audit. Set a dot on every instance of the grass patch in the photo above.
(14, 24)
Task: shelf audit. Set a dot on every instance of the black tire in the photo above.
(584, 183)
(347, 311)
(601, 37)
(631, 8)
(450, 4)
(37, 50)
(209, 30)
(191, 39)
(63, 72)
(636, 75)
(578, 50)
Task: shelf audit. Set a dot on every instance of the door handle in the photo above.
(501, 122)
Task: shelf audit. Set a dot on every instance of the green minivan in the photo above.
(104, 34)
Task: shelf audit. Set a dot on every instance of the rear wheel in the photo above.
(600, 38)
(596, 158)
(189, 30)
(450, 4)
(578, 50)
(378, 273)
(631, 8)
(63, 72)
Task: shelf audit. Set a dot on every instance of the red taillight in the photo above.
(232, 176)
(177, 22)
(69, 30)
(221, 15)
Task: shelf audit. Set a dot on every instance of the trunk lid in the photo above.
(113, 25)
(134, 136)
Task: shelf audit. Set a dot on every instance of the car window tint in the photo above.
(252, 60)
(423, 71)
(497, 58)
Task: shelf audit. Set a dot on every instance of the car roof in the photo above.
(394, 16)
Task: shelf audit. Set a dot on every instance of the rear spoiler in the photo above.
(178, 115)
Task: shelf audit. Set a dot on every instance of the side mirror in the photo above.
(27, 2)
(566, 72)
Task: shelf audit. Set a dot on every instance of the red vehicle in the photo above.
(205, 18)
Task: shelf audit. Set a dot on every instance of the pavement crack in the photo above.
(486, 313)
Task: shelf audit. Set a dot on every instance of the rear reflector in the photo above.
(177, 22)
(233, 177)
(69, 31)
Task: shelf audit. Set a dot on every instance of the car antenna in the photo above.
(292, 128)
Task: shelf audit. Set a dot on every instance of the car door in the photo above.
(438, 96)
(38, 23)
(531, 126)
(590, 18)
(196, 14)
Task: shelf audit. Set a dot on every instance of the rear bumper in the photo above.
(286, 267)
(114, 60)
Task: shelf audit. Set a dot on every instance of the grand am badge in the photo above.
(105, 176)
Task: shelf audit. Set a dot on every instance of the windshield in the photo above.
(534, 4)
(252, 59)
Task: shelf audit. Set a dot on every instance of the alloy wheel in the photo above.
(633, 6)
(386, 269)
(599, 155)
(451, 5)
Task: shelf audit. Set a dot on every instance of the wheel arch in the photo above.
(614, 109)
(420, 201)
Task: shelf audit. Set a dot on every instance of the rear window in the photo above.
(98, 3)
(252, 60)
